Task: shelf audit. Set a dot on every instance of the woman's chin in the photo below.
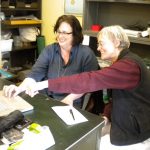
(103, 58)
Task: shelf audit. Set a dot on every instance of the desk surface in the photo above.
(64, 135)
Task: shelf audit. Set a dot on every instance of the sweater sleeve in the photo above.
(124, 74)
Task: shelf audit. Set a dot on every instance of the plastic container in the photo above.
(6, 45)
(96, 27)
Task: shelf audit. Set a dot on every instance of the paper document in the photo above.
(8, 105)
(133, 33)
(69, 114)
(86, 40)
(41, 140)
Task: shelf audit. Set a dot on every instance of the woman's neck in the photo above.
(65, 55)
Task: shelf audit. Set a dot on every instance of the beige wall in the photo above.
(51, 10)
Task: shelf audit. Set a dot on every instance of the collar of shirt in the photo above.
(72, 53)
(123, 53)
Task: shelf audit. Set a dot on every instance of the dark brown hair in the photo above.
(75, 25)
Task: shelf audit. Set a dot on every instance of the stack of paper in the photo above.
(8, 105)
(133, 33)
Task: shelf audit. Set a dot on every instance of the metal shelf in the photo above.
(19, 56)
(24, 48)
(145, 41)
(19, 9)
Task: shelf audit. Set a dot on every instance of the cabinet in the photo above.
(131, 14)
(26, 53)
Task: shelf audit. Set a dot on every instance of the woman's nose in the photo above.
(98, 48)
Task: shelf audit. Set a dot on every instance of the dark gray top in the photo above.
(51, 65)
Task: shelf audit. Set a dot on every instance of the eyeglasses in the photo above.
(101, 44)
(63, 33)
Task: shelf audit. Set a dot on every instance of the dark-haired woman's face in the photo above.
(64, 35)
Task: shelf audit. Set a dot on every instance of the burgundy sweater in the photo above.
(123, 74)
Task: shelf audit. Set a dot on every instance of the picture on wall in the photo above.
(73, 7)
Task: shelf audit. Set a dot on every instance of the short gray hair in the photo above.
(115, 32)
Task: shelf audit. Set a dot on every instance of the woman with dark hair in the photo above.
(64, 58)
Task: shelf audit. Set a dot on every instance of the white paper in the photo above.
(132, 33)
(8, 105)
(39, 141)
(86, 40)
(64, 113)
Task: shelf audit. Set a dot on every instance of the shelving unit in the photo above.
(131, 14)
(20, 56)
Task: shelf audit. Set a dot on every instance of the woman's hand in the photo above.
(33, 88)
(70, 98)
(11, 90)
(67, 101)
(106, 120)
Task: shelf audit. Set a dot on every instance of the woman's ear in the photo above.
(117, 43)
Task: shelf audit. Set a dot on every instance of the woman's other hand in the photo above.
(70, 98)
(67, 101)
(11, 90)
(33, 88)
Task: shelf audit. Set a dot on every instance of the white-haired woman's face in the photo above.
(108, 49)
